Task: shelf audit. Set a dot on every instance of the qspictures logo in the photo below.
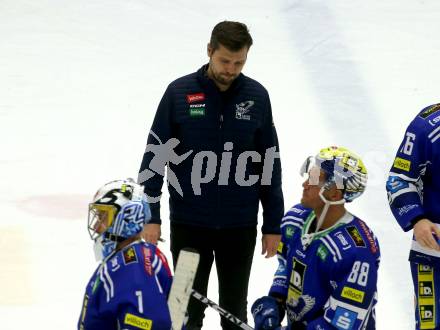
(204, 166)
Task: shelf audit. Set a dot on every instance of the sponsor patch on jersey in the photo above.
(355, 236)
(344, 318)
(344, 242)
(296, 283)
(424, 269)
(369, 235)
(406, 208)
(353, 294)
(402, 164)
(426, 316)
(197, 110)
(426, 289)
(426, 297)
(394, 184)
(147, 260)
(280, 247)
(430, 110)
(197, 97)
(322, 252)
(434, 122)
(138, 322)
(130, 255)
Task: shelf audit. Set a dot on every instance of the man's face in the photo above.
(101, 223)
(311, 187)
(225, 65)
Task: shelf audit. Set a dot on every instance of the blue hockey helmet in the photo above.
(118, 211)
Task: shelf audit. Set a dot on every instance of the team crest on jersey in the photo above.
(430, 110)
(130, 256)
(242, 109)
(300, 307)
(355, 236)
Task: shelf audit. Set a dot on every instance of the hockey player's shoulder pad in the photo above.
(426, 122)
(356, 238)
(293, 221)
(431, 114)
(297, 214)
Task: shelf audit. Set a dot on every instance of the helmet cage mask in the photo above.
(119, 211)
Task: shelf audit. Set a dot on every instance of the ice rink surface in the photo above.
(79, 85)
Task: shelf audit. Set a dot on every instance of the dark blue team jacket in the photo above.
(203, 119)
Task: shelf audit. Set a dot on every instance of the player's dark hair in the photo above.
(232, 35)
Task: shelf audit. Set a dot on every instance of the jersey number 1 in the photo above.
(140, 303)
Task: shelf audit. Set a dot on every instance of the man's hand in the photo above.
(151, 233)
(427, 234)
(269, 244)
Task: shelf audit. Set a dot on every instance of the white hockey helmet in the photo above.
(119, 211)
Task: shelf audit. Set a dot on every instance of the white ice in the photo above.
(79, 85)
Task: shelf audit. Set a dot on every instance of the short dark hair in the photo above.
(232, 35)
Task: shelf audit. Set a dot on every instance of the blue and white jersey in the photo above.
(129, 290)
(328, 279)
(413, 185)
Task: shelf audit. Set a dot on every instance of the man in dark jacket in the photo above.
(214, 131)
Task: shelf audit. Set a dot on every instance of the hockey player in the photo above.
(328, 258)
(413, 192)
(130, 287)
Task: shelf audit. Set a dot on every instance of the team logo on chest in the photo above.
(242, 109)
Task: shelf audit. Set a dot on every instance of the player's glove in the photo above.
(267, 314)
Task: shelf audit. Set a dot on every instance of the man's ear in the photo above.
(209, 50)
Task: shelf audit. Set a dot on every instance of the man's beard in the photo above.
(223, 79)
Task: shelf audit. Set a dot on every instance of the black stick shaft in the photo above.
(220, 310)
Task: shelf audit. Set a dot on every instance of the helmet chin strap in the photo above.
(327, 205)
(307, 238)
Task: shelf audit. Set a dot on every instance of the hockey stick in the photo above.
(181, 287)
(220, 310)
